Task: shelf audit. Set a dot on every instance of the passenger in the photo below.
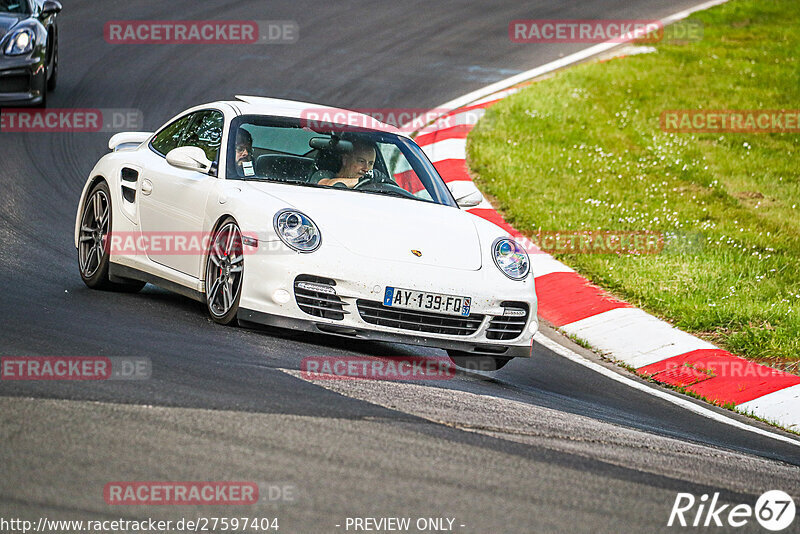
(355, 165)
(244, 153)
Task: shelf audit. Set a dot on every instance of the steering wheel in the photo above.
(381, 183)
(374, 176)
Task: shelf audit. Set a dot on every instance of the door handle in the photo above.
(147, 187)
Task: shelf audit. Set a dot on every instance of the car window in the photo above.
(205, 132)
(400, 170)
(15, 6)
(290, 151)
(170, 136)
(278, 139)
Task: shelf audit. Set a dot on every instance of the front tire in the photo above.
(225, 273)
(93, 243)
(53, 74)
(473, 362)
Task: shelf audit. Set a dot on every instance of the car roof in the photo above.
(261, 105)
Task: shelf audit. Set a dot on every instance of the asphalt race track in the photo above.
(544, 445)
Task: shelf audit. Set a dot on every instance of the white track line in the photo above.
(505, 85)
(586, 53)
(634, 336)
(564, 61)
(779, 405)
(663, 395)
(448, 149)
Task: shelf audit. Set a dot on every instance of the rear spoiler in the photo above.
(128, 140)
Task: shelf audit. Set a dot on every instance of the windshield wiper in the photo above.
(318, 186)
(293, 182)
(390, 194)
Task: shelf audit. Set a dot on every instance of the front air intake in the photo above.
(317, 296)
(510, 324)
(376, 313)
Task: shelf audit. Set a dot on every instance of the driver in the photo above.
(355, 165)
(244, 153)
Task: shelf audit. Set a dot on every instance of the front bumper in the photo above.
(269, 298)
(23, 81)
(304, 325)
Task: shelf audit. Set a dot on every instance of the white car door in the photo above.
(172, 204)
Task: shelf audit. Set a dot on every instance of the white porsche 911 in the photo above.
(269, 218)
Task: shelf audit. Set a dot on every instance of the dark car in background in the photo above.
(28, 51)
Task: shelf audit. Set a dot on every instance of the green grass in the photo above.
(579, 341)
(583, 150)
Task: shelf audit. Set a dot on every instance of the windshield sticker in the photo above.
(247, 168)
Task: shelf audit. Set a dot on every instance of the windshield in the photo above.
(284, 150)
(19, 7)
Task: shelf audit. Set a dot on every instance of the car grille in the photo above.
(15, 83)
(376, 313)
(317, 297)
(505, 326)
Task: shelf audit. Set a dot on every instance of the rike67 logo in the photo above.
(774, 510)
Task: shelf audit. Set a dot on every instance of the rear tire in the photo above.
(473, 362)
(94, 245)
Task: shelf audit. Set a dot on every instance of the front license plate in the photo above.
(396, 297)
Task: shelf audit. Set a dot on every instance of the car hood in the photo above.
(8, 21)
(387, 228)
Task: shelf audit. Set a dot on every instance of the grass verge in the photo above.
(584, 150)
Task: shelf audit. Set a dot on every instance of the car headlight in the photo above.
(511, 258)
(21, 42)
(297, 231)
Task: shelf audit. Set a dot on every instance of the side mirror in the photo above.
(190, 158)
(465, 193)
(51, 7)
